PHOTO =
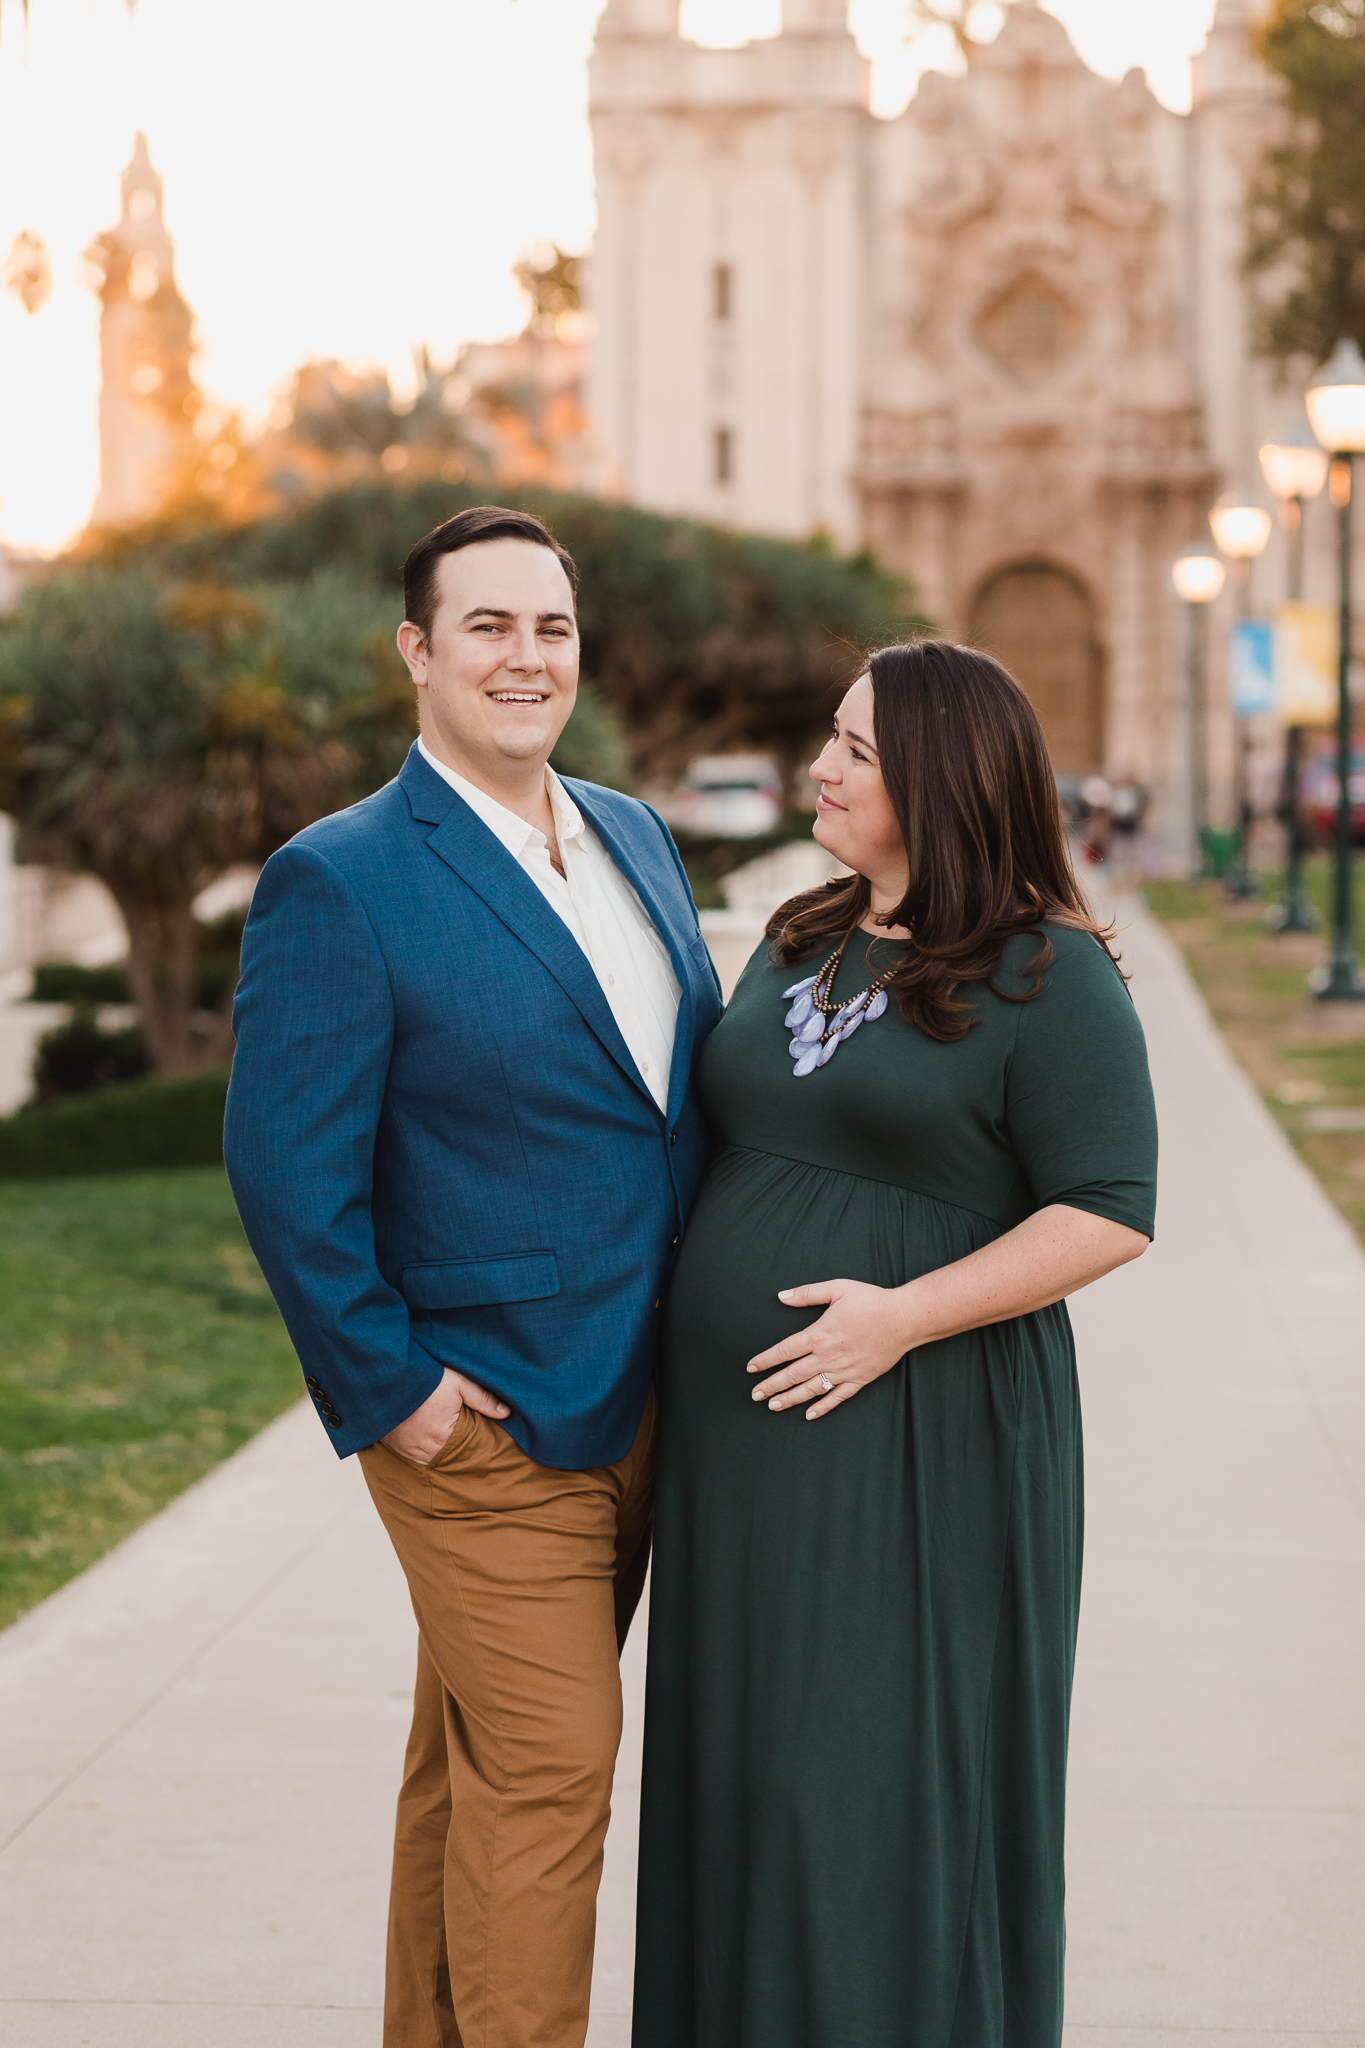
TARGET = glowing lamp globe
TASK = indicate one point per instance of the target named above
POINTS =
(1292, 464)
(1240, 528)
(1198, 576)
(1335, 399)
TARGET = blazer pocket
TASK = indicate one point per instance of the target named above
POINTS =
(481, 1283)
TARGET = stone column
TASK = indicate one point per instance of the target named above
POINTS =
(815, 150)
(625, 153)
(1130, 665)
(932, 563)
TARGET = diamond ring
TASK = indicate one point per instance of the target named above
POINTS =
(825, 1381)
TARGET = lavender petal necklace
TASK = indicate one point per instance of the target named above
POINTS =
(819, 1025)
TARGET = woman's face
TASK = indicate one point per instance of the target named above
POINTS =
(854, 819)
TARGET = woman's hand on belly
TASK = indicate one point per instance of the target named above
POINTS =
(861, 1335)
(866, 1330)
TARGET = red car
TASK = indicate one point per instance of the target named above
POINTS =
(1319, 792)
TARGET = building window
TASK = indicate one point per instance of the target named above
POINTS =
(722, 291)
(724, 455)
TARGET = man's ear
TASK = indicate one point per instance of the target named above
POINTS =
(412, 645)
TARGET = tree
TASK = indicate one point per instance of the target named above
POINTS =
(956, 15)
(1306, 208)
(701, 639)
(27, 272)
(154, 733)
(552, 282)
(198, 694)
(352, 416)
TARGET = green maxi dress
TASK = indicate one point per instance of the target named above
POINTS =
(862, 1629)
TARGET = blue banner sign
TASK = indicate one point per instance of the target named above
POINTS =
(1251, 667)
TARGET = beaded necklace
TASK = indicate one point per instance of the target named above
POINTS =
(817, 1023)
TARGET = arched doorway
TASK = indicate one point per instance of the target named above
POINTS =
(1040, 622)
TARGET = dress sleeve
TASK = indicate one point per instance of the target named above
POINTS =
(1078, 1097)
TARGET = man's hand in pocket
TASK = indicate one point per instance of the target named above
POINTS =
(421, 1436)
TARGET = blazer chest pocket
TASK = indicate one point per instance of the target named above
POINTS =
(481, 1283)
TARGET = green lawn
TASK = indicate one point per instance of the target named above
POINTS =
(1307, 1063)
(138, 1347)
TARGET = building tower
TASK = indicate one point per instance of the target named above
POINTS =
(147, 394)
(725, 280)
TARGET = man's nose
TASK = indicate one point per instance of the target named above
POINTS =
(525, 655)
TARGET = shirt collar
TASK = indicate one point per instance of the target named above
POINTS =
(514, 832)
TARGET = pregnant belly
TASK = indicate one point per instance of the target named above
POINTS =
(763, 1223)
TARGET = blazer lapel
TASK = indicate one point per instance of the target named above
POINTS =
(483, 863)
(666, 923)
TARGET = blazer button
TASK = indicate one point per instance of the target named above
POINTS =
(674, 1245)
(312, 1385)
(334, 1418)
(672, 1137)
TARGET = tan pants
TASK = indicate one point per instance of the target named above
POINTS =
(523, 1581)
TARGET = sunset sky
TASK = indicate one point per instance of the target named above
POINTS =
(343, 181)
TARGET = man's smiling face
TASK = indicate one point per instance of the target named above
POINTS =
(498, 678)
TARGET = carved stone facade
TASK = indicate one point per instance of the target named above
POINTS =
(1001, 337)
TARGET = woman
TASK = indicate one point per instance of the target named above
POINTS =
(868, 1547)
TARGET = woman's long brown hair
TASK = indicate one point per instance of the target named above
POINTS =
(966, 769)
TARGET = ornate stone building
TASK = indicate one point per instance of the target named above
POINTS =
(1002, 337)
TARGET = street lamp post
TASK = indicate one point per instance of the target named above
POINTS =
(1198, 577)
(1335, 399)
(1241, 530)
(1295, 470)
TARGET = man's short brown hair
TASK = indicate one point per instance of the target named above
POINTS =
(481, 522)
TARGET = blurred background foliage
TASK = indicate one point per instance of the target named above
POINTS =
(187, 695)
(1306, 212)
(701, 639)
(162, 729)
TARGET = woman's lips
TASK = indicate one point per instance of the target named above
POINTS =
(824, 803)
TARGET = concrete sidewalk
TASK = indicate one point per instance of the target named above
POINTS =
(200, 1739)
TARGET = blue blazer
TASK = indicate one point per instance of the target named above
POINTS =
(441, 1149)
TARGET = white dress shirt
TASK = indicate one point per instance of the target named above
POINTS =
(603, 912)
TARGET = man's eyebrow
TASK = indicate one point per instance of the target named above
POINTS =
(494, 611)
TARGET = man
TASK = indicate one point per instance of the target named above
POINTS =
(461, 1135)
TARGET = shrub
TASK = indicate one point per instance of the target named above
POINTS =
(62, 981)
(592, 746)
(78, 1056)
(172, 1121)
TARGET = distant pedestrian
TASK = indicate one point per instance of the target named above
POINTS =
(935, 1122)
(462, 1137)
(1099, 824)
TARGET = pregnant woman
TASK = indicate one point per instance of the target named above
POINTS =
(933, 1122)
